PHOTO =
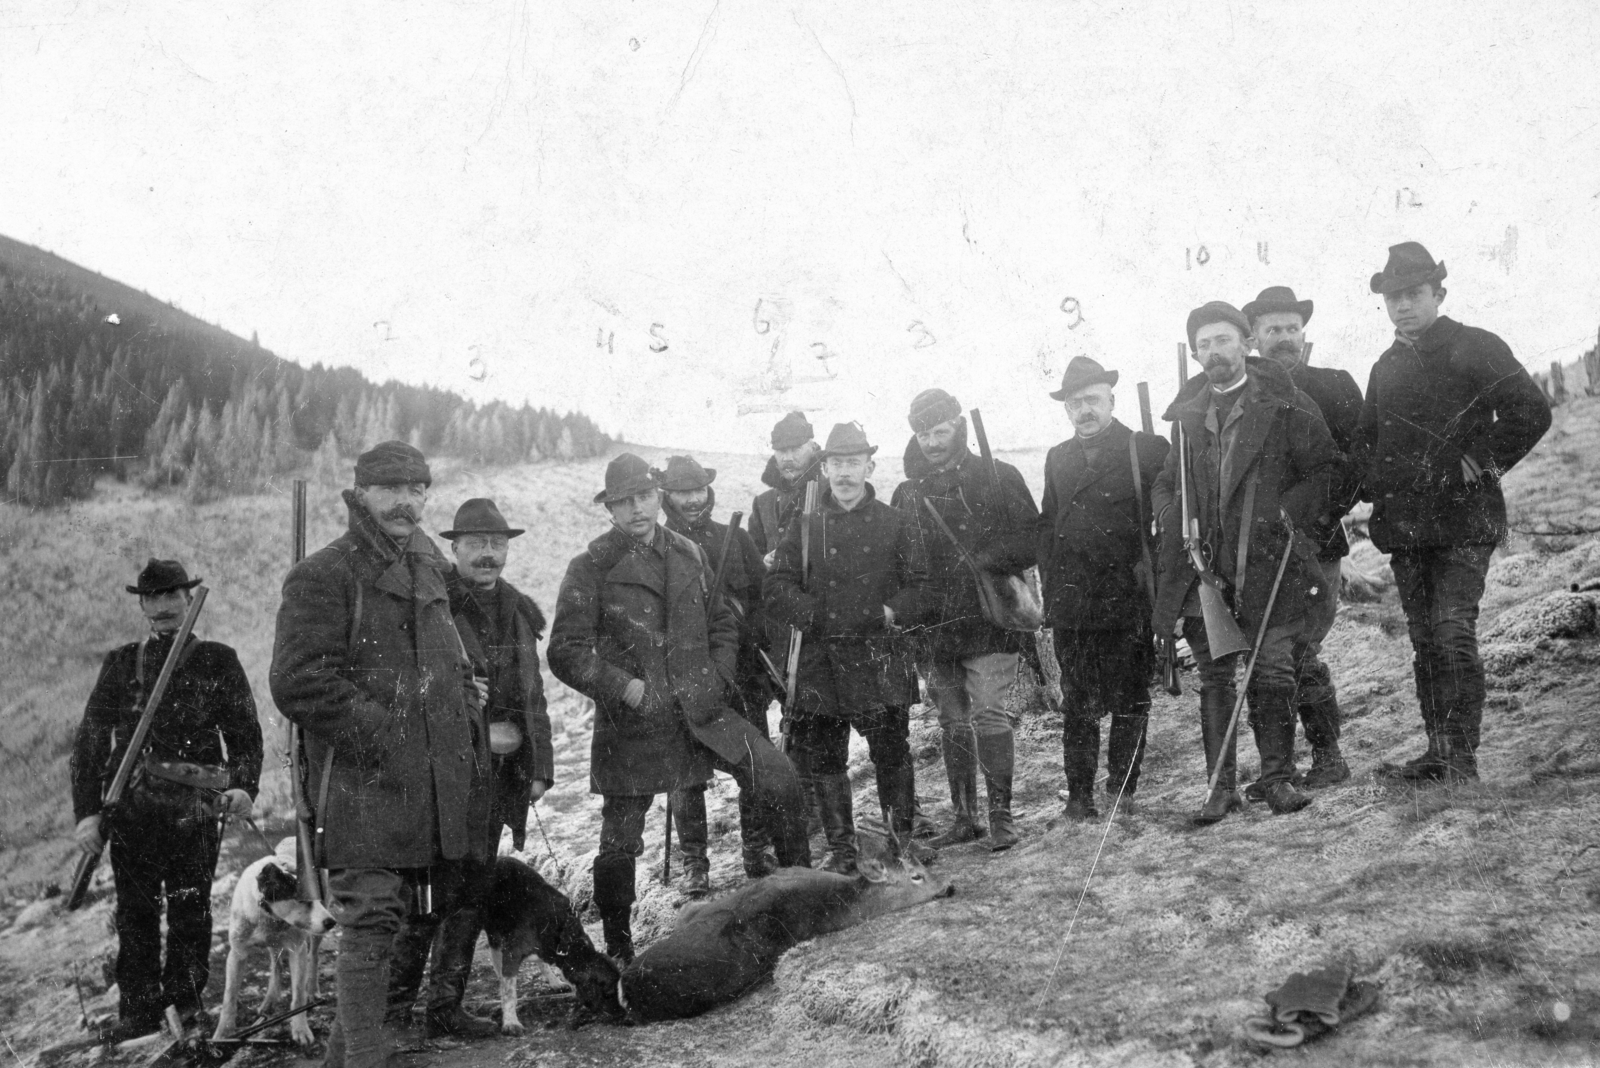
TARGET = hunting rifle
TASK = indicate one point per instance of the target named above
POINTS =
(1169, 644)
(722, 566)
(310, 886)
(135, 751)
(792, 678)
(1223, 635)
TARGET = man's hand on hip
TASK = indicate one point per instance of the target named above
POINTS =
(633, 694)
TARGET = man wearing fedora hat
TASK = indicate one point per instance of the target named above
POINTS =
(970, 663)
(1096, 508)
(500, 628)
(795, 461)
(368, 662)
(687, 501)
(868, 579)
(637, 630)
(1277, 321)
(1449, 410)
(202, 759)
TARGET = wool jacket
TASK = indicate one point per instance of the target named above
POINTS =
(774, 508)
(1338, 398)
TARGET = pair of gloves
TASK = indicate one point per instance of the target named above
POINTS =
(1309, 1005)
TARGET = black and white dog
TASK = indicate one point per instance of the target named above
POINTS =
(266, 912)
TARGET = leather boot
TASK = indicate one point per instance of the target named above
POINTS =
(755, 844)
(897, 795)
(1321, 720)
(838, 822)
(447, 987)
(407, 965)
(1080, 753)
(1216, 708)
(997, 754)
(613, 899)
(961, 768)
(1272, 719)
(1426, 767)
(689, 820)
(1458, 762)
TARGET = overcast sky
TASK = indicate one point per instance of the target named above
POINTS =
(581, 204)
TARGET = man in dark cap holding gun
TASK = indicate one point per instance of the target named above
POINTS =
(795, 461)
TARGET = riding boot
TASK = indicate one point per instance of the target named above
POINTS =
(1321, 721)
(613, 899)
(689, 818)
(1216, 710)
(1080, 753)
(896, 796)
(838, 822)
(407, 964)
(447, 986)
(1273, 721)
(961, 768)
(755, 843)
(997, 754)
(1459, 762)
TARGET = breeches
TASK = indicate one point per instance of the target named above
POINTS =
(973, 693)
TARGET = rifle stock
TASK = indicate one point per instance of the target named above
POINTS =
(310, 886)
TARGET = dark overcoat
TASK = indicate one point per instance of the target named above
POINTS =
(741, 584)
(861, 560)
(1089, 530)
(632, 611)
(997, 524)
(775, 507)
(1280, 441)
(1338, 398)
(1457, 392)
(511, 776)
(368, 662)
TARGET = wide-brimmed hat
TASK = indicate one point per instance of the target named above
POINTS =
(792, 431)
(626, 476)
(1081, 373)
(1217, 311)
(1409, 265)
(1277, 299)
(847, 439)
(932, 407)
(480, 516)
(392, 463)
(684, 473)
(159, 576)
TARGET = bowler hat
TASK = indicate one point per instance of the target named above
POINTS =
(480, 516)
(1277, 299)
(626, 476)
(847, 439)
(932, 407)
(392, 463)
(792, 431)
(1217, 311)
(159, 576)
(1409, 265)
(1081, 373)
(685, 473)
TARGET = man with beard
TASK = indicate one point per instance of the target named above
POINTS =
(1449, 411)
(867, 580)
(794, 463)
(1255, 454)
(1091, 544)
(689, 500)
(202, 759)
(1277, 320)
(368, 663)
(970, 663)
(500, 628)
(637, 630)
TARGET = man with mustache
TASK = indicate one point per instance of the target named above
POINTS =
(1257, 462)
(688, 500)
(1449, 411)
(202, 759)
(637, 630)
(1277, 320)
(367, 661)
(1092, 525)
(500, 628)
(795, 461)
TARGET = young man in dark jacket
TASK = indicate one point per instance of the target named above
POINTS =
(1449, 410)
(795, 461)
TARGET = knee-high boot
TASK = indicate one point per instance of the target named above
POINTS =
(998, 755)
(1216, 710)
(407, 964)
(447, 986)
(613, 899)
(897, 798)
(961, 768)
(1272, 718)
(838, 822)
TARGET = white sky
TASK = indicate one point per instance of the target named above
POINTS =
(408, 188)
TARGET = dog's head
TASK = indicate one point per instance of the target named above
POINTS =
(279, 892)
(593, 975)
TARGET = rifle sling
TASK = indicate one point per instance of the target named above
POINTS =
(1242, 558)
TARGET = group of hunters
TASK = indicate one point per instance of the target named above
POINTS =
(417, 685)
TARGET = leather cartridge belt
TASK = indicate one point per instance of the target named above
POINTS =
(187, 773)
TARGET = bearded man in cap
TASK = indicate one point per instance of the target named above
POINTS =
(795, 461)
(637, 630)
(1277, 321)
(367, 661)
(1256, 463)
(970, 663)
(688, 500)
(1092, 526)
(202, 760)
(1449, 410)
(867, 580)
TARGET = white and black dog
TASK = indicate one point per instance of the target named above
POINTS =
(266, 912)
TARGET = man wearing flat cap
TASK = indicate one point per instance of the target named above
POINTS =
(795, 461)
(1277, 321)
(867, 580)
(202, 759)
(1092, 527)
(970, 663)
(368, 662)
(500, 628)
(1449, 410)
(687, 501)
(1255, 467)
(637, 630)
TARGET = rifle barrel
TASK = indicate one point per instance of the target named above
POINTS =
(1146, 423)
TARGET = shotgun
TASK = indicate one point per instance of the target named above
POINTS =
(722, 563)
(983, 447)
(1222, 631)
(1169, 645)
(310, 885)
(791, 681)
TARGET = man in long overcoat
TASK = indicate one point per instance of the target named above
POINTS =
(635, 630)
(1449, 411)
(368, 663)
(1256, 462)
(1094, 559)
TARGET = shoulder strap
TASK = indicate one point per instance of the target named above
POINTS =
(355, 620)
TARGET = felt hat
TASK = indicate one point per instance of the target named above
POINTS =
(626, 476)
(792, 431)
(1277, 299)
(847, 439)
(685, 473)
(1217, 311)
(480, 516)
(159, 576)
(392, 463)
(1409, 265)
(1082, 372)
(932, 407)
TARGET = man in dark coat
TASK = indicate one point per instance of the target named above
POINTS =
(368, 663)
(1277, 321)
(500, 628)
(1095, 562)
(795, 461)
(637, 631)
(970, 663)
(1256, 463)
(687, 502)
(1449, 411)
(202, 759)
(867, 580)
